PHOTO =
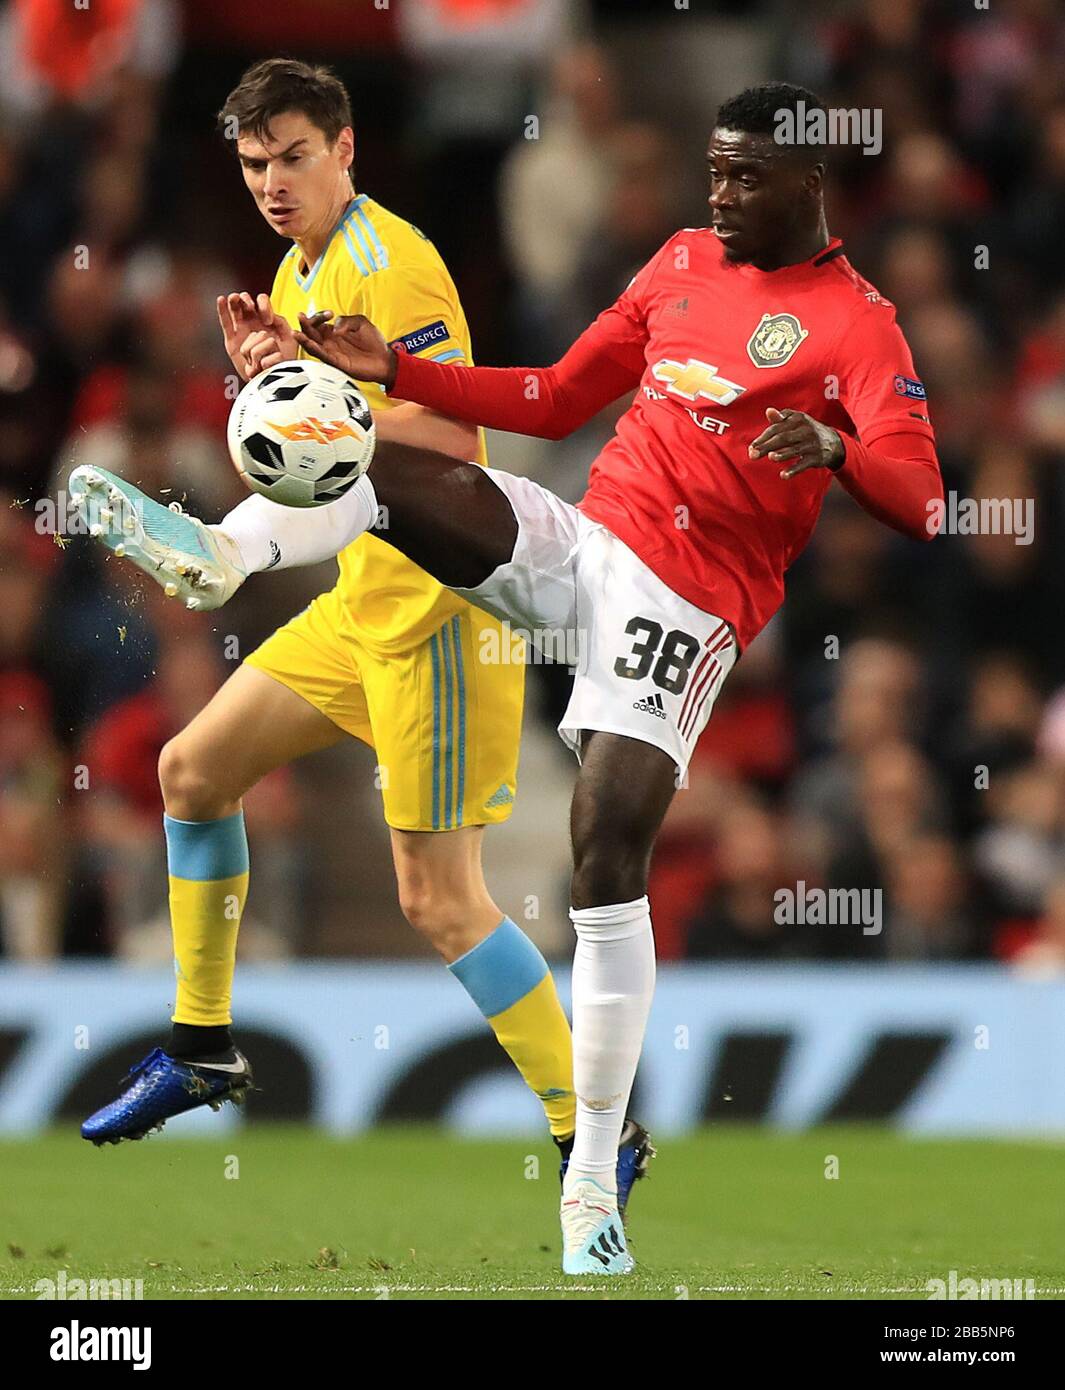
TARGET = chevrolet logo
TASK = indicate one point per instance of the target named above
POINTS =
(693, 379)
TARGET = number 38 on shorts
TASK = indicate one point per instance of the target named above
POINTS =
(650, 665)
(676, 652)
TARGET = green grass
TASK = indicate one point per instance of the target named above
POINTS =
(728, 1213)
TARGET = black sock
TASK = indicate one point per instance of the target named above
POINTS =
(565, 1146)
(189, 1042)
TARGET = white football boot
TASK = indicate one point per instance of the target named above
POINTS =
(593, 1237)
(192, 561)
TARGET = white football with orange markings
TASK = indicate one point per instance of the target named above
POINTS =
(301, 433)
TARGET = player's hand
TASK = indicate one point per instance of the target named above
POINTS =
(242, 318)
(260, 351)
(351, 344)
(791, 434)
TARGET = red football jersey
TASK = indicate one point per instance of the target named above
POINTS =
(711, 346)
(721, 344)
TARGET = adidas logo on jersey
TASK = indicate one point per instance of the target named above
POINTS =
(652, 704)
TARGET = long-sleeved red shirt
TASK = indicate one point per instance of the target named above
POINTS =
(711, 346)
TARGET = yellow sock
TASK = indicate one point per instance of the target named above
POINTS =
(208, 864)
(508, 979)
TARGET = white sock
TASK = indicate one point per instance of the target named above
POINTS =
(613, 984)
(262, 529)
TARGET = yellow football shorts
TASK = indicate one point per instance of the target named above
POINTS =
(444, 716)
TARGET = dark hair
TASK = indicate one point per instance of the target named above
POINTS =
(756, 111)
(277, 85)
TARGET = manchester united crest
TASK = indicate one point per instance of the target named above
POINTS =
(775, 339)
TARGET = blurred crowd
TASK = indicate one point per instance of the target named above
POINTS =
(900, 726)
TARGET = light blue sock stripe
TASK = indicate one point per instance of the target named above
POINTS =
(202, 850)
(501, 969)
(435, 655)
(461, 677)
(449, 747)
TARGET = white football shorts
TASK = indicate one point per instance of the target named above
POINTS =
(648, 664)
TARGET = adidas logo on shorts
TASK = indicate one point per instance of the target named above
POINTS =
(651, 705)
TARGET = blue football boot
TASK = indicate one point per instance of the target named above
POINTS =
(196, 563)
(635, 1152)
(160, 1086)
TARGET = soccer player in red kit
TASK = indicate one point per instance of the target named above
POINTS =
(763, 366)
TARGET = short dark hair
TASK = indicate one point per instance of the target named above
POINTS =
(276, 85)
(756, 111)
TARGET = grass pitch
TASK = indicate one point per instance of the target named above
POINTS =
(411, 1213)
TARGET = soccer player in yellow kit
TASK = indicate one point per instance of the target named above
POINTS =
(388, 656)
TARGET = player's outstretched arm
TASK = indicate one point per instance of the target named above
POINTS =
(548, 402)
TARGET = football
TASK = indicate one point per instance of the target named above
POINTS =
(301, 433)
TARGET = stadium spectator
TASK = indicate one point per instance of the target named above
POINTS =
(740, 919)
(876, 703)
(33, 830)
(1040, 953)
(1020, 852)
(552, 192)
(639, 212)
(930, 912)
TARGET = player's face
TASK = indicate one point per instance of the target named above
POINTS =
(760, 197)
(295, 176)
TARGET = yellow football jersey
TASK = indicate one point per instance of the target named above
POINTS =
(377, 264)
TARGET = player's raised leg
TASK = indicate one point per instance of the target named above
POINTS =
(204, 565)
(252, 725)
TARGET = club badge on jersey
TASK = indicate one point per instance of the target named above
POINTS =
(776, 340)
